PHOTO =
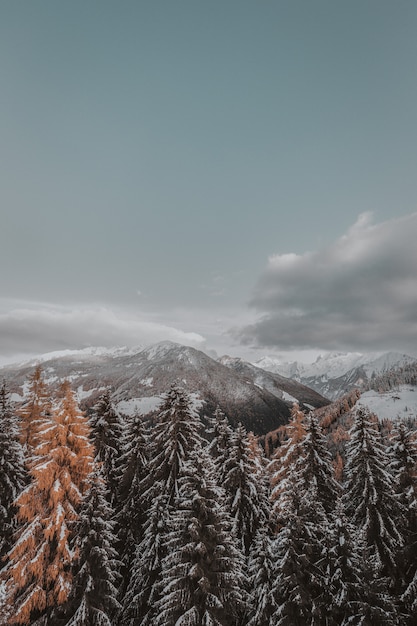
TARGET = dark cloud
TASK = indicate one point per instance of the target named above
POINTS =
(37, 329)
(360, 293)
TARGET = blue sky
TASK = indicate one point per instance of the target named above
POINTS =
(156, 155)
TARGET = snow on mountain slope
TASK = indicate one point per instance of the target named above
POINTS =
(400, 403)
(334, 374)
(139, 379)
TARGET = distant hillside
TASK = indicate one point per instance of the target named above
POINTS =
(335, 374)
(139, 377)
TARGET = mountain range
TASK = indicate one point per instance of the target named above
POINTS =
(337, 373)
(138, 378)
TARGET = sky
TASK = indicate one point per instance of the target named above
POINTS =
(239, 176)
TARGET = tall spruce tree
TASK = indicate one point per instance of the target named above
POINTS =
(305, 494)
(354, 597)
(39, 568)
(107, 433)
(370, 498)
(202, 580)
(262, 568)
(174, 436)
(245, 495)
(93, 598)
(12, 473)
(403, 453)
(133, 469)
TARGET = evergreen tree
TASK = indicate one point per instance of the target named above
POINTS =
(202, 579)
(403, 452)
(34, 411)
(245, 497)
(175, 435)
(370, 499)
(262, 572)
(12, 474)
(282, 465)
(133, 469)
(38, 572)
(220, 432)
(301, 584)
(142, 592)
(107, 433)
(93, 598)
(354, 597)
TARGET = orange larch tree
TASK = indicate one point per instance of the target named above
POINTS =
(34, 411)
(39, 568)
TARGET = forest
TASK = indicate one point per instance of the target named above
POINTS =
(183, 520)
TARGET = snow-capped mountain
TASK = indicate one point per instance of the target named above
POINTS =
(139, 377)
(334, 374)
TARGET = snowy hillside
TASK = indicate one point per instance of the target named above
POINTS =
(400, 403)
(139, 377)
(334, 374)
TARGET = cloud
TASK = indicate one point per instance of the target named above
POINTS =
(35, 328)
(359, 293)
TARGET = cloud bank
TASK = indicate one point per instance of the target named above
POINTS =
(359, 293)
(36, 329)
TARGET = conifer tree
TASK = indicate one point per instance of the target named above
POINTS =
(301, 584)
(220, 432)
(107, 433)
(245, 497)
(282, 465)
(202, 579)
(174, 436)
(142, 592)
(354, 597)
(133, 469)
(12, 474)
(262, 570)
(403, 452)
(93, 599)
(34, 411)
(38, 572)
(370, 499)
(305, 493)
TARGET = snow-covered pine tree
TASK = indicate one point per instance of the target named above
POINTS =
(173, 437)
(245, 494)
(370, 499)
(403, 453)
(220, 434)
(261, 573)
(317, 468)
(305, 494)
(301, 583)
(138, 605)
(93, 599)
(36, 408)
(353, 597)
(107, 433)
(202, 579)
(38, 572)
(133, 469)
(12, 473)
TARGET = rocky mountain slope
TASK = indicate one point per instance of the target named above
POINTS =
(335, 374)
(139, 377)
